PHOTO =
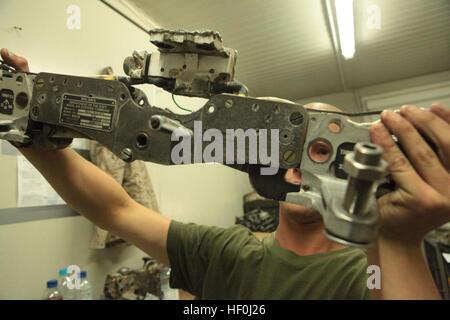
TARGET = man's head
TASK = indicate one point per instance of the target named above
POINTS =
(296, 212)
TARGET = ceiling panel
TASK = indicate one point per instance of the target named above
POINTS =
(285, 48)
(413, 40)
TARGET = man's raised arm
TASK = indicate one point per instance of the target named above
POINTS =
(96, 195)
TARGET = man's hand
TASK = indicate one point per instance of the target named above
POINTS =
(422, 201)
(19, 63)
(420, 204)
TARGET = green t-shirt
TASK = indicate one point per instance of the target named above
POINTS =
(231, 263)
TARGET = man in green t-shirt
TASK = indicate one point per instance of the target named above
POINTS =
(297, 262)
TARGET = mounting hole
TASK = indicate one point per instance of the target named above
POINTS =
(184, 66)
(123, 96)
(142, 140)
(21, 100)
(42, 98)
(286, 136)
(335, 125)
(64, 82)
(162, 70)
(320, 150)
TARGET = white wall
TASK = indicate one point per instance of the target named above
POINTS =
(32, 252)
(352, 100)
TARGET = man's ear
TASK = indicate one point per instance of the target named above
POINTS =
(293, 175)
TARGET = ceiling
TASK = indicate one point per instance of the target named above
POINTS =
(286, 50)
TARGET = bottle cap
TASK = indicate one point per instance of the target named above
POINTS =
(52, 283)
(62, 272)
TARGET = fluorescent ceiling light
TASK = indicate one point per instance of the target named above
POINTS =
(346, 29)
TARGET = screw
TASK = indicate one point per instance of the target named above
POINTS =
(276, 109)
(268, 118)
(126, 154)
(40, 82)
(255, 107)
(289, 156)
(296, 118)
(155, 123)
(229, 103)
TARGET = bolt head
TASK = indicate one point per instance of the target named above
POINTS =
(362, 171)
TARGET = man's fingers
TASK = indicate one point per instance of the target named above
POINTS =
(433, 126)
(420, 154)
(19, 63)
(399, 167)
(441, 110)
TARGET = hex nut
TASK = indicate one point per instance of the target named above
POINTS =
(363, 171)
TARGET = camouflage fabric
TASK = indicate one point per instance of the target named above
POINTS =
(128, 284)
(135, 180)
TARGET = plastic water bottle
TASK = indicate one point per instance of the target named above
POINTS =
(52, 293)
(85, 292)
(67, 293)
(168, 292)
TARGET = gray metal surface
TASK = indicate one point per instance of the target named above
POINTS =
(120, 118)
(28, 214)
